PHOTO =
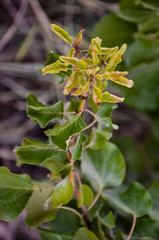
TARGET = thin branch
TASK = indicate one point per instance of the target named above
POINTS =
(90, 112)
(95, 199)
(132, 228)
(72, 210)
(89, 126)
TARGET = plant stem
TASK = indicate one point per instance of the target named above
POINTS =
(90, 125)
(72, 210)
(132, 228)
(95, 199)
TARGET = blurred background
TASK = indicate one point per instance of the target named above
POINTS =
(26, 40)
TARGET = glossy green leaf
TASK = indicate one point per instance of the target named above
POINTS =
(60, 134)
(41, 113)
(34, 152)
(55, 67)
(105, 167)
(36, 213)
(15, 191)
(61, 33)
(81, 64)
(110, 98)
(150, 26)
(96, 140)
(84, 234)
(76, 149)
(154, 192)
(115, 26)
(108, 220)
(86, 196)
(66, 222)
(62, 194)
(51, 235)
(133, 11)
(125, 199)
(151, 4)
(97, 228)
(106, 109)
(51, 58)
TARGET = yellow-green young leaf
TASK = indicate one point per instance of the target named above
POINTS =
(123, 81)
(15, 191)
(86, 196)
(94, 56)
(62, 194)
(113, 75)
(107, 97)
(116, 58)
(71, 52)
(71, 83)
(88, 61)
(61, 33)
(78, 40)
(98, 76)
(55, 67)
(108, 51)
(74, 62)
(96, 44)
(97, 95)
(81, 90)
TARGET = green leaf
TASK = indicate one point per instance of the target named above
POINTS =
(96, 228)
(115, 26)
(81, 64)
(36, 213)
(15, 191)
(110, 98)
(146, 227)
(108, 220)
(51, 58)
(51, 235)
(97, 95)
(106, 109)
(62, 194)
(125, 199)
(66, 222)
(150, 26)
(34, 152)
(154, 192)
(60, 134)
(41, 113)
(86, 196)
(105, 167)
(55, 67)
(55, 166)
(133, 11)
(84, 234)
(61, 33)
(97, 140)
(77, 148)
(151, 4)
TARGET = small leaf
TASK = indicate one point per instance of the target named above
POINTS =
(96, 141)
(55, 67)
(54, 166)
(77, 148)
(71, 52)
(41, 113)
(34, 152)
(106, 109)
(62, 194)
(86, 196)
(110, 98)
(108, 220)
(81, 64)
(97, 95)
(104, 167)
(51, 58)
(60, 134)
(78, 40)
(61, 33)
(125, 199)
(84, 234)
(15, 191)
(36, 213)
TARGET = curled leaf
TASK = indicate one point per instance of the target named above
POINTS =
(55, 67)
(107, 97)
(61, 33)
(78, 40)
